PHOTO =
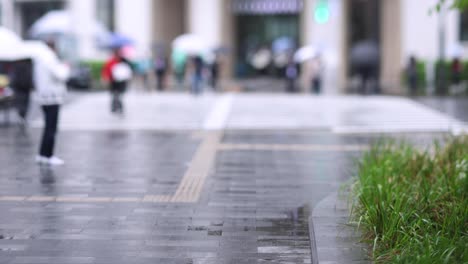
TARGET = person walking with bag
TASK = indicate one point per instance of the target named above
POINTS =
(50, 76)
(117, 72)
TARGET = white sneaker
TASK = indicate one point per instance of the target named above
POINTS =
(54, 161)
(42, 160)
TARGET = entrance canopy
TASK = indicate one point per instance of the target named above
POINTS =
(265, 7)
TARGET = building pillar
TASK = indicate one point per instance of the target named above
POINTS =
(204, 18)
(391, 50)
(228, 40)
(133, 19)
(7, 9)
(168, 23)
(84, 12)
(328, 37)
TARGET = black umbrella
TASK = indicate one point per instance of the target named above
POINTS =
(365, 54)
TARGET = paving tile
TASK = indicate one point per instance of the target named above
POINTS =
(111, 204)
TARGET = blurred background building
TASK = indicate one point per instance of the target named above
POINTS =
(400, 28)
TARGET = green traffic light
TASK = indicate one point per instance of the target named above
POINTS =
(322, 12)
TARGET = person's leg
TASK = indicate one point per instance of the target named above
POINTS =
(200, 84)
(195, 85)
(114, 101)
(159, 78)
(316, 86)
(51, 114)
(291, 87)
(22, 103)
(120, 101)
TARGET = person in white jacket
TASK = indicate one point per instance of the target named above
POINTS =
(50, 76)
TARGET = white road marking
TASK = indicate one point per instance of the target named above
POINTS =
(218, 117)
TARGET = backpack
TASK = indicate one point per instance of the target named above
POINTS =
(121, 72)
(22, 76)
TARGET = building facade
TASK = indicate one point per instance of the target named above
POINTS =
(400, 27)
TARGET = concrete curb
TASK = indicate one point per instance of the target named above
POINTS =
(332, 240)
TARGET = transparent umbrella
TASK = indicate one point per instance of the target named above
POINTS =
(191, 45)
(10, 46)
(282, 44)
(305, 53)
(61, 22)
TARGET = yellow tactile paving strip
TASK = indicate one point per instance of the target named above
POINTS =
(191, 185)
(293, 147)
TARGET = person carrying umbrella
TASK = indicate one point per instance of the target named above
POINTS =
(50, 76)
(117, 72)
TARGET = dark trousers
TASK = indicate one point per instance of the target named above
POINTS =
(159, 80)
(51, 115)
(117, 91)
(290, 85)
(316, 85)
(22, 103)
(196, 84)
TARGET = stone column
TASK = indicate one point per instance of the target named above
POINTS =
(168, 22)
(330, 38)
(228, 39)
(83, 18)
(7, 9)
(391, 47)
(204, 18)
(133, 18)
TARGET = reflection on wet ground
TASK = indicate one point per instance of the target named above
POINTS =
(253, 208)
(456, 107)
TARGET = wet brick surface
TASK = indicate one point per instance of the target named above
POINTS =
(254, 206)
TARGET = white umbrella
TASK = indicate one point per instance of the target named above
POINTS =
(261, 59)
(38, 50)
(10, 46)
(191, 44)
(8, 36)
(305, 53)
(456, 51)
(61, 22)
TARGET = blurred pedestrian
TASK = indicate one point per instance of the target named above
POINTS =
(457, 71)
(197, 75)
(117, 72)
(412, 76)
(142, 68)
(316, 74)
(214, 67)
(365, 59)
(21, 76)
(291, 74)
(160, 68)
(50, 78)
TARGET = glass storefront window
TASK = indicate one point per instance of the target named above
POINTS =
(464, 25)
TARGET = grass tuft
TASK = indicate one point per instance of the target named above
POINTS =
(412, 205)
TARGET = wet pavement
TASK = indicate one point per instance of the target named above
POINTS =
(453, 106)
(207, 190)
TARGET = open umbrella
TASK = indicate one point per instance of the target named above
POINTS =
(8, 36)
(191, 45)
(456, 51)
(282, 44)
(365, 54)
(38, 50)
(305, 53)
(10, 46)
(117, 40)
(61, 22)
